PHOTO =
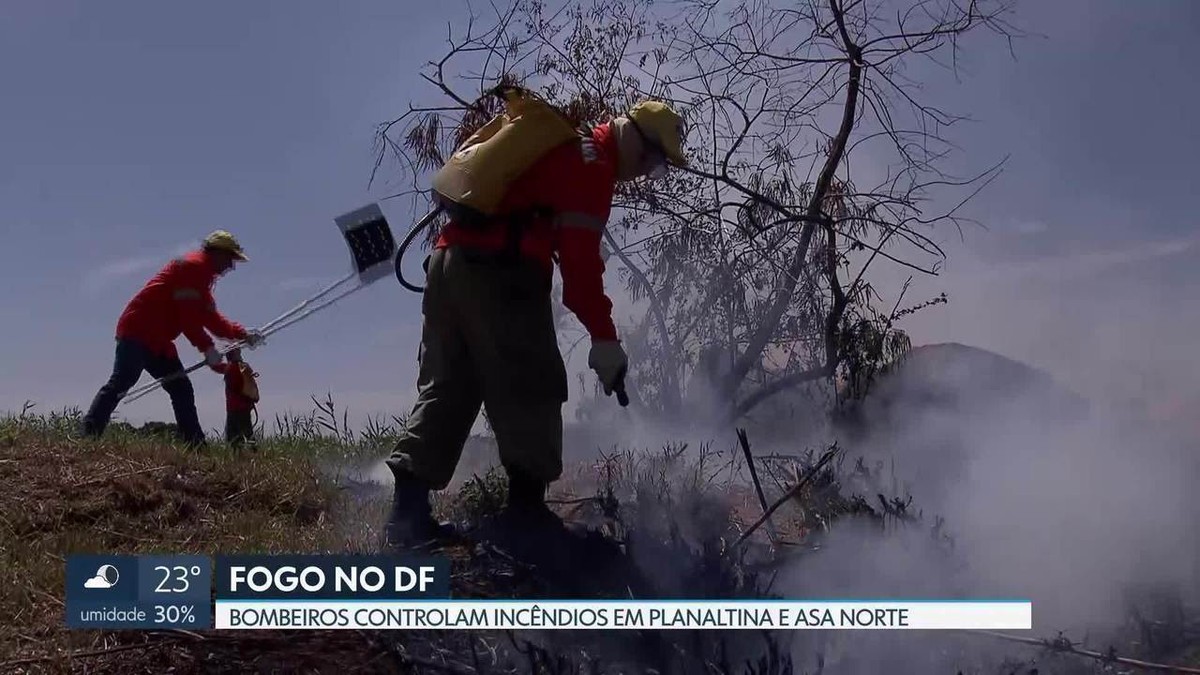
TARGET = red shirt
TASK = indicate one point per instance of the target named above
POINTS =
(576, 180)
(178, 300)
(235, 400)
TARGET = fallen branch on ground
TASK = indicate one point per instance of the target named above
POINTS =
(744, 441)
(786, 497)
(1065, 646)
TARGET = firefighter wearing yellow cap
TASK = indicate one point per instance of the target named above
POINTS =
(661, 129)
(176, 301)
(488, 333)
(221, 240)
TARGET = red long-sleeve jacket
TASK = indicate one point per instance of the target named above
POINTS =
(178, 300)
(576, 181)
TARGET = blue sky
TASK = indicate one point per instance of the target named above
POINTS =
(131, 129)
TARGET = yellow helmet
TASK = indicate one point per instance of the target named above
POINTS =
(223, 241)
(661, 125)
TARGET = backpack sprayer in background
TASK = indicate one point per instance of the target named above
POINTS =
(372, 248)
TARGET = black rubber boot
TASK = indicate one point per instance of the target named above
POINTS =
(411, 521)
(528, 530)
(526, 508)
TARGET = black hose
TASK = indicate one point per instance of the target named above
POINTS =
(408, 239)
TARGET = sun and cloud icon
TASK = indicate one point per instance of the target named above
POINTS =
(106, 577)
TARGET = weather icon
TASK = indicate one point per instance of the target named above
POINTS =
(106, 577)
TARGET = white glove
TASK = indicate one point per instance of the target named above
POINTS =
(254, 338)
(608, 359)
(212, 357)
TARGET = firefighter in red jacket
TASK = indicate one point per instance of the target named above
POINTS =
(178, 300)
(241, 397)
(488, 335)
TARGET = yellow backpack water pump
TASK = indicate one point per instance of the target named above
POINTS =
(249, 382)
(472, 183)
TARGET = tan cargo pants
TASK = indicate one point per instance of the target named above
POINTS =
(487, 338)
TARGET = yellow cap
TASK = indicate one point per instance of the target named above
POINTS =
(223, 241)
(663, 125)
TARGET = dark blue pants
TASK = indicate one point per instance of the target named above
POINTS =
(131, 359)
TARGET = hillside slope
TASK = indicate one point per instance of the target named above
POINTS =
(933, 413)
(956, 378)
